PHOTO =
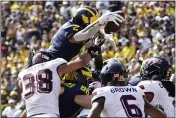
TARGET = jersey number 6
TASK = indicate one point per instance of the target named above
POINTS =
(129, 107)
(44, 83)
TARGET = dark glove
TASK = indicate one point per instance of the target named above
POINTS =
(94, 51)
(159, 106)
(30, 56)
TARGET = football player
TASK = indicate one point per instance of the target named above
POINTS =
(92, 86)
(116, 99)
(84, 25)
(81, 76)
(75, 92)
(73, 98)
(155, 73)
(97, 84)
(41, 82)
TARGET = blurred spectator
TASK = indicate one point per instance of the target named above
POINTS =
(10, 110)
(65, 11)
(4, 99)
(14, 95)
(108, 53)
(102, 7)
(134, 67)
(169, 10)
(144, 41)
(115, 5)
(128, 50)
(142, 9)
(135, 43)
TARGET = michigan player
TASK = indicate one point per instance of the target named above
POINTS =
(73, 98)
(92, 86)
(74, 95)
(41, 82)
(155, 73)
(118, 100)
(81, 76)
(71, 37)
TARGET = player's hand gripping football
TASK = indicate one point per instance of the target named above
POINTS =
(110, 38)
(111, 16)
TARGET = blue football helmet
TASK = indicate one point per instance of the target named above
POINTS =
(41, 57)
(156, 66)
(113, 73)
(111, 60)
(85, 16)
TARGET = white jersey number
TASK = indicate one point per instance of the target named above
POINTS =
(129, 107)
(44, 83)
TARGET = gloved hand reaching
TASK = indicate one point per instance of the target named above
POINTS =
(94, 51)
(111, 16)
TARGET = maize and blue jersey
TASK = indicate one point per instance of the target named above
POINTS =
(68, 108)
(61, 47)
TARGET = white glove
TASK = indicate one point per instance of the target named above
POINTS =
(95, 85)
(111, 16)
(110, 38)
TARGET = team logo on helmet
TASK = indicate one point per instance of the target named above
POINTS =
(85, 16)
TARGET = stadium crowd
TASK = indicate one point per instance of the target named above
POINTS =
(30, 25)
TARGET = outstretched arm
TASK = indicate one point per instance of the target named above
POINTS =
(81, 61)
(93, 28)
(74, 65)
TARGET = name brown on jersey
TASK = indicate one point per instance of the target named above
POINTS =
(113, 90)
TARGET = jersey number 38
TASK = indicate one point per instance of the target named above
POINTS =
(44, 83)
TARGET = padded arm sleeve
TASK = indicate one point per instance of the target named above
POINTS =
(87, 32)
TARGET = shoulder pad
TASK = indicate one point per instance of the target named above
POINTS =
(140, 89)
(97, 93)
(146, 86)
(146, 83)
(134, 80)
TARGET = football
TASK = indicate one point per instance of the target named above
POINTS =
(112, 27)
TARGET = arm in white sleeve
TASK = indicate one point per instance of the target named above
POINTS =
(87, 32)
(4, 113)
(108, 37)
